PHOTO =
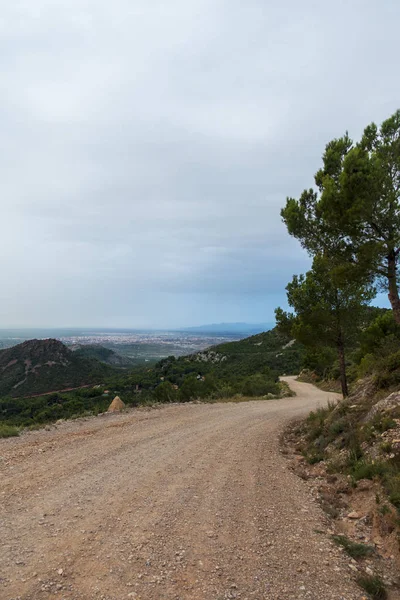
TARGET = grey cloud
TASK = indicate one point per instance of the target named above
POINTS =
(147, 149)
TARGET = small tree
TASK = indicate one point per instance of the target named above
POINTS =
(328, 310)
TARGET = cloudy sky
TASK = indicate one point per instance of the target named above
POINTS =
(147, 147)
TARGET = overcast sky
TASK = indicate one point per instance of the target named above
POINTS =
(147, 148)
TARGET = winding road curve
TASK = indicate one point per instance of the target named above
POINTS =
(187, 502)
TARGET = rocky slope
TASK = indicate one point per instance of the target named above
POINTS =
(349, 451)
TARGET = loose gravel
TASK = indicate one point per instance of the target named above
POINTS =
(186, 502)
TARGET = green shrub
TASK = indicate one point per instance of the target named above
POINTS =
(165, 392)
(258, 385)
(373, 585)
(316, 421)
(7, 431)
(314, 458)
(367, 365)
(190, 389)
(321, 413)
(383, 423)
(388, 371)
(368, 432)
(384, 510)
(392, 485)
(363, 469)
(387, 446)
(387, 471)
(353, 549)
(338, 427)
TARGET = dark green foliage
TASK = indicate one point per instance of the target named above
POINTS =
(320, 361)
(378, 353)
(258, 385)
(165, 392)
(190, 389)
(329, 309)
(353, 549)
(265, 349)
(388, 371)
(382, 422)
(363, 469)
(373, 585)
(381, 336)
(50, 408)
(102, 354)
(354, 217)
(251, 367)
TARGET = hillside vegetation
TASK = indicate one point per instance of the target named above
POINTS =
(248, 368)
(103, 354)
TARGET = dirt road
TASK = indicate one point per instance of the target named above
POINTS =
(187, 502)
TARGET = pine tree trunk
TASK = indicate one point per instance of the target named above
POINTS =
(342, 367)
(393, 287)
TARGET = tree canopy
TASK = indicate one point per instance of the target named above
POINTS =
(354, 215)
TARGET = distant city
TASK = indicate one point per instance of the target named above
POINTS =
(139, 344)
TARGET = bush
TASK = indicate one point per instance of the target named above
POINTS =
(363, 469)
(373, 585)
(189, 389)
(338, 427)
(314, 458)
(383, 422)
(316, 421)
(7, 431)
(387, 371)
(353, 549)
(257, 385)
(387, 447)
(165, 392)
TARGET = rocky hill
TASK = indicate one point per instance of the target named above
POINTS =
(39, 366)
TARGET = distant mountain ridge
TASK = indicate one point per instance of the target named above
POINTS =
(233, 328)
(39, 366)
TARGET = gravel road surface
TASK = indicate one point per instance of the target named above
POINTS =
(186, 502)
